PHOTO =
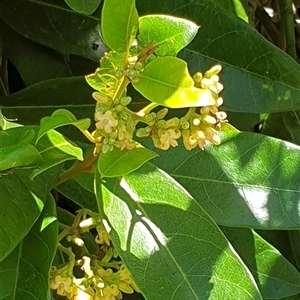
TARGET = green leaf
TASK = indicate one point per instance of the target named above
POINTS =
(104, 79)
(50, 23)
(33, 62)
(83, 7)
(275, 275)
(21, 202)
(16, 150)
(55, 149)
(166, 81)
(250, 180)
(61, 117)
(169, 34)
(119, 24)
(20, 155)
(24, 274)
(121, 162)
(74, 191)
(258, 77)
(42, 99)
(154, 222)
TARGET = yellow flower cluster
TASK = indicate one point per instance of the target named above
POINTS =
(114, 123)
(103, 278)
(194, 128)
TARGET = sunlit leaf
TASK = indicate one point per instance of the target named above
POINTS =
(166, 81)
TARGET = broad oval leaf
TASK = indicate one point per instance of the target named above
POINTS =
(21, 202)
(169, 34)
(121, 162)
(276, 277)
(24, 274)
(82, 6)
(171, 246)
(119, 24)
(250, 180)
(257, 76)
(166, 81)
(61, 117)
(51, 23)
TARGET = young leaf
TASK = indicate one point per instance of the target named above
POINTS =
(119, 24)
(250, 180)
(61, 117)
(24, 274)
(82, 6)
(166, 81)
(150, 215)
(21, 202)
(275, 275)
(55, 149)
(121, 162)
(169, 34)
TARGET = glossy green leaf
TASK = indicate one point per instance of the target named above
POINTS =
(20, 155)
(276, 277)
(42, 99)
(24, 274)
(22, 200)
(121, 162)
(51, 22)
(171, 246)
(250, 180)
(169, 34)
(55, 149)
(16, 150)
(257, 76)
(61, 117)
(82, 6)
(166, 81)
(119, 24)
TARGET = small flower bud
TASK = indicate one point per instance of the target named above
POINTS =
(185, 125)
(135, 80)
(215, 70)
(197, 77)
(119, 74)
(105, 148)
(161, 124)
(162, 113)
(138, 66)
(119, 107)
(209, 120)
(196, 121)
(125, 100)
(87, 223)
(174, 122)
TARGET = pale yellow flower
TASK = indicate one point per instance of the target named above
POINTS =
(105, 121)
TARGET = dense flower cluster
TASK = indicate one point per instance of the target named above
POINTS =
(103, 278)
(116, 123)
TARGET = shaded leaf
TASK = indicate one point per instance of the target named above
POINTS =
(275, 275)
(250, 180)
(41, 21)
(166, 81)
(147, 227)
(83, 7)
(61, 117)
(74, 191)
(21, 202)
(168, 33)
(121, 162)
(34, 62)
(119, 24)
(24, 274)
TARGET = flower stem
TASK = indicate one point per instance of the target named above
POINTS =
(147, 109)
(83, 166)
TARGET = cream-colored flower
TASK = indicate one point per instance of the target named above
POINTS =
(168, 138)
(105, 121)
